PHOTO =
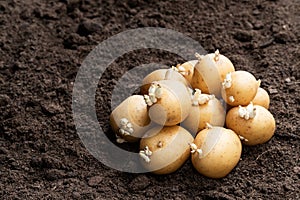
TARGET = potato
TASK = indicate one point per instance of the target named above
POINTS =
(254, 123)
(164, 150)
(206, 109)
(239, 88)
(187, 69)
(172, 105)
(262, 98)
(216, 151)
(161, 74)
(210, 71)
(130, 119)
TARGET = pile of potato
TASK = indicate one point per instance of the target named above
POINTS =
(203, 108)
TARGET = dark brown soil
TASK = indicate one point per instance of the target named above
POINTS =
(42, 46)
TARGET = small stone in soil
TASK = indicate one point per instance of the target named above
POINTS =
(243, 36)
(273, 91)
(54, 174)
(139, 183)
(95, 180)
(88, 27)
(297, 170)
(4, 100)
(287, 80)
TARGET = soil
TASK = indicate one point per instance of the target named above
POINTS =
(42, 46)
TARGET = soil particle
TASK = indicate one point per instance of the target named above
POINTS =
(87, 27)
(51, 108)
(95, 180)
(54, 174)
(283, 37)
(46, 161)
(4, 100)
(243, 36)
(297, 170)
(139, 183)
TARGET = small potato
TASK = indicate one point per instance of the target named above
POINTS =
(208, 109)
(169, 101)
(239, 88)
(216, 151)
(161, 74)
(210, 71)
(164, 150)
(262, 98)
(254, 123)
(187, 69)
(130, 119)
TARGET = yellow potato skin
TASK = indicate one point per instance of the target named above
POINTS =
(217, 68)
(189, 67)
(172, 153)
(135, 110)
(262, 98)
(174, 105)
(198, 82)
(243, 89)
(257, 130)
(223, 156)
(211, 112)
(161, 74)
(224, 65)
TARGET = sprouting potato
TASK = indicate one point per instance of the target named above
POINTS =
(215, 151)
(262, 98)
(239, 88)
(253, 122)
(164, 150)
(210, 71)
(195, 98)
(187, 69)
(161, 74)
(206, 109)
(169, 101)
(130, 119)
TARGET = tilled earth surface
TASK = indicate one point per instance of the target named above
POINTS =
(42, 46)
